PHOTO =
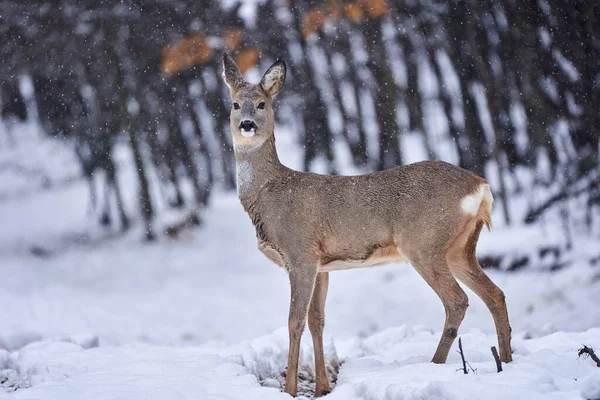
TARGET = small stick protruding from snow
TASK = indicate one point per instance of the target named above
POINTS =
(589, 352)
(466, 365)
(498, 362)
(462, 355)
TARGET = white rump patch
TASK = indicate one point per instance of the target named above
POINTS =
(470, 204)
(244, 176)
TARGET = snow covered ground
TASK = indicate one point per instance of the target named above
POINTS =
(390, 365)
(204, 317)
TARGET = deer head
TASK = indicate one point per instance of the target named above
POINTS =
(252, 118)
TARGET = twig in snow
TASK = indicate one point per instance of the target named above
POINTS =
(589, 352)
(497, 359)
(462, 356)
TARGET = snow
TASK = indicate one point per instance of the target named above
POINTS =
(590, 386)
(30, 162)
(61, 370)
(394, 372)
(566, 65)
(393, 364)
(205, 317)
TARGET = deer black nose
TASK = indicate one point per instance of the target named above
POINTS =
(247, 125)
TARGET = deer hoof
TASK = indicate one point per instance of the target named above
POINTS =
(324, 392)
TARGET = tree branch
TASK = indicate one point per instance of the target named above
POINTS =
(589, 352)
(497, 359)
(462, 356)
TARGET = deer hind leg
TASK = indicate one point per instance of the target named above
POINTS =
(464, 265)
(316, 323)
(302, 283)
(437, 275)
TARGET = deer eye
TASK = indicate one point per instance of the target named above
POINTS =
(261, 105)
(236, 106)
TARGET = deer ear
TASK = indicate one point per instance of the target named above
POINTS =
(273, 79)
(231, 73)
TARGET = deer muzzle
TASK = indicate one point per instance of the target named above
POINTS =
(248, 128)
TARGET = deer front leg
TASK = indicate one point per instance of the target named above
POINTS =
(316, 323)
(302, 284)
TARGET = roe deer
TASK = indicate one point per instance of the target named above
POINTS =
(428, 214)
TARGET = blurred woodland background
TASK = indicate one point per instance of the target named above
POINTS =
(505, 88)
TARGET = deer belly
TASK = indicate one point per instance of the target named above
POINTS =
(380, 256)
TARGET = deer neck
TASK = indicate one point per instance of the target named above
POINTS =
(256, 166)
